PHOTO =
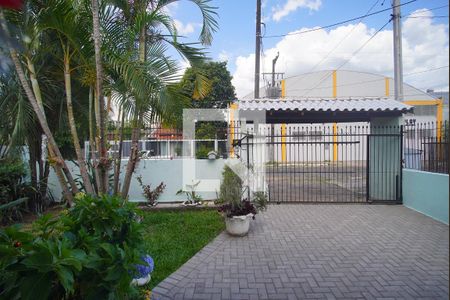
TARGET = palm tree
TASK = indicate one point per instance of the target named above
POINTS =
(130, 61)
(58, 162)
(61, 16)
(146, 70)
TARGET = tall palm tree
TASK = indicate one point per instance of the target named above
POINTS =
(152, 92)
(58, 162)
(61, 17)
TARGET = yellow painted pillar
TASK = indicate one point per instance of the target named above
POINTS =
(386, 86)
(283, 126)
(233, 107)
(439, 117)
(335, 146)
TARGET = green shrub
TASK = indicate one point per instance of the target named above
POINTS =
(12, 187)
(89, 252)
(202, 151)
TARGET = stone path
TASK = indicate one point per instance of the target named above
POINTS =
(321, 252)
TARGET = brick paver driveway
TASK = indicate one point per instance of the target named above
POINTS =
(321, 251)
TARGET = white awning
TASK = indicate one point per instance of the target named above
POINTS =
(329, 104)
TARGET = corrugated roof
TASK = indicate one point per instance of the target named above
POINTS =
(310, 104)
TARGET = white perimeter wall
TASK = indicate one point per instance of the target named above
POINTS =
(154, 172)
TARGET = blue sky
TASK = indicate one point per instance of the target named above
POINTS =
(235, 39)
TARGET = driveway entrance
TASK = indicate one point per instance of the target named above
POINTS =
(319, 163)
(321, 252)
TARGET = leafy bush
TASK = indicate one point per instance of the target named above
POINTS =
(230, 197)
(202, 152)
(12, 187)
(89, 252)
(150, 194)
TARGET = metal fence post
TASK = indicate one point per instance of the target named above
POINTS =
(368, 169)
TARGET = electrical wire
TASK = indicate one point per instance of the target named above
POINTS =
(338, 23)
(372, 80)
(427, 17)
(354, 53)
(342, 40)
(425, 71)
(430, 9)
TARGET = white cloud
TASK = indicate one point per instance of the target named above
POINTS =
(184, 29)
(224, 56)
(182, 66)
(171, 8)
(425, 46)
(280, 12)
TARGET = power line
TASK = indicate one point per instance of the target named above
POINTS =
(342, 40)
(381, 80)
(430, 9)
(428, 17)
(354, 53)
(425, 71)
(414, 13)
(338, 23)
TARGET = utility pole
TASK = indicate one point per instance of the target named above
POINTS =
(398, 63)
(257, 46)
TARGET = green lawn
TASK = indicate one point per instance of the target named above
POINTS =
(172, 237)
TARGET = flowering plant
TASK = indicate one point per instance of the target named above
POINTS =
(143, 270)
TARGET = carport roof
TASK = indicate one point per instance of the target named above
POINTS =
(326, 105)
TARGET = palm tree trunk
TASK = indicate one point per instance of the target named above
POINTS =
(103, 163)
(38, 96)
(73, 130)
(43, 122)
(134, 155)
(92, 144)
(119, 158)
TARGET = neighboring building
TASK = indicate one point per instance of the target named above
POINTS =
(354, 84)
(441, 95)
(357, 87)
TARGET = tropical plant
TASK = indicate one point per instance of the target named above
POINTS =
(90, 252)
(148, 21)
(62, 55)
(192, 197)
(12, 188)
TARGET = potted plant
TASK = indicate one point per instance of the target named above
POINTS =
(236, 210)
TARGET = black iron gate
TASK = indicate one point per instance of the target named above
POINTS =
(320, 164)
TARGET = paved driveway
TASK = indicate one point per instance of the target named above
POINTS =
(321, 252)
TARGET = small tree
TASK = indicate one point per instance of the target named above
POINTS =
(221, 92)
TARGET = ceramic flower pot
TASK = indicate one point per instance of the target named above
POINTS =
(238, 225)
(141, 281)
